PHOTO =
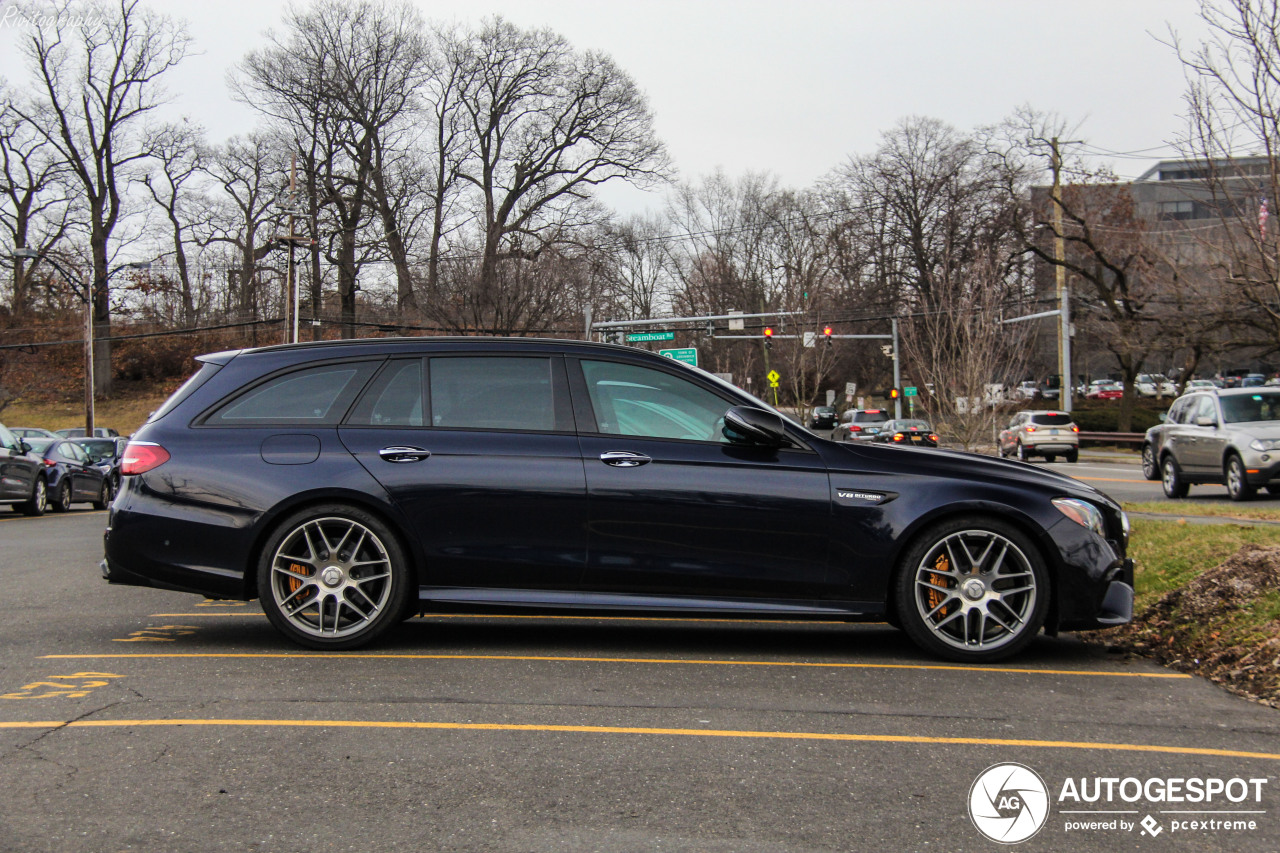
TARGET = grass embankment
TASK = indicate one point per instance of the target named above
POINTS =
(124, 412)
(1208, 601)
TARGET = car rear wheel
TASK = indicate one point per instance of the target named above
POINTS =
(1073, 456)
(1238, 487)
(62, 502)
(972, 589)
(333, 577)
(39, 500)
(104, 496)
(1023, 453)
(1171, 479)
(1150, 469)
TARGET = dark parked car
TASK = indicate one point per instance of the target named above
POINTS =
(350, 484)
(824, 417)
(105, 454)
(22, 483)
(67, 475)
(915, 433)
(33, 432)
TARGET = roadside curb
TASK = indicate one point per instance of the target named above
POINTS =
(1204, 519)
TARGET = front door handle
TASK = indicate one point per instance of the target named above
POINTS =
(624, 459)
(401, 453)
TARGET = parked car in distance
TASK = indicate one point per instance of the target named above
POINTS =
(350, 484)
(823, 417)
(1153, 385)
(1104, 391)
(78, 432)
(32, 432)
(1047, 434)
(1198, 384)
(1253, 380)
(69, 475)
(907, 432)
(1228, 437)
(105, 454)
(860, 424)
(1028, 390)
(22, 483)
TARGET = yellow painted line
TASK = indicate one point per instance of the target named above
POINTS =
(637, 730)
(1111, 480)
(563, 659)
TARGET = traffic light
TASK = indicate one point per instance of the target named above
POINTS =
(894, 393)
(826, 333)
(768, 337)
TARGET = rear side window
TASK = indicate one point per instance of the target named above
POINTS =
(313, 396)
(492, 392)
(1052, 419)
(201, 376)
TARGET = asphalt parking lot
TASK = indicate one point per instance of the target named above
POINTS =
(146, 720)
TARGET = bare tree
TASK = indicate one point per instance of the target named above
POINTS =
(35, 200)
(548, 124)
(98, 77)
(177, 158)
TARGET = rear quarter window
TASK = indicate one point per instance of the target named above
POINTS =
(311, 396)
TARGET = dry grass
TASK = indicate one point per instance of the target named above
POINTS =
(1261, 510)
(125, 412)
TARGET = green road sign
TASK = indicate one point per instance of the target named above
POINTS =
(652, 336)
(909, 391)
(689, 355)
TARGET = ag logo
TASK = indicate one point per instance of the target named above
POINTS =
(1008, 803)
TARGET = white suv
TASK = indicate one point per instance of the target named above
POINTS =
(1047, 434)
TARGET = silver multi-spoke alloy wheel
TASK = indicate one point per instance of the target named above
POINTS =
(333, 579)
(975, 590)
(1150, 469)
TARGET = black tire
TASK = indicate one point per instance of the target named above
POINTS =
(1273, 489)
(62, 501)
(1171, 478)
(104, 496)
(1150, 469)
(365, 592)
(1023, 454)
(1073, 456)
(965, 616)
(1051, 458)
(38, 503)
(1237, 479)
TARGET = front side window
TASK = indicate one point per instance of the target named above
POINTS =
(313, 396)
(492, 392)
(640, 401)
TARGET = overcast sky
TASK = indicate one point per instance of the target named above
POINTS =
(795, 88)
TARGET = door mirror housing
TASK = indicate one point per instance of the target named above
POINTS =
(1205, 420)
(749, 425)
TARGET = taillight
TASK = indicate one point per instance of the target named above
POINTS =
(855, 428)
(1075, 428)
(897, 436)
(49, 463)
(1031, 429)
(142, 456)
(933, 437)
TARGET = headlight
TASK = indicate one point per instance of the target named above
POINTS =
(1265, 444)
(1082, 513)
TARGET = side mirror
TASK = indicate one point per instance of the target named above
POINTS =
(1164, 417)
(749, 425)
(23, 447)
(1205, 420)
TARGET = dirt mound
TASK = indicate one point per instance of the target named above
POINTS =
(1208, 627)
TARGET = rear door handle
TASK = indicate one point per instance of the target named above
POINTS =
(624, 459)
(400, 453)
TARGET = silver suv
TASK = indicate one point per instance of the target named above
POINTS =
(1047, 434)
(1227, 436)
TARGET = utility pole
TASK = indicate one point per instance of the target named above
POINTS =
(291, 240)
(1060, 279)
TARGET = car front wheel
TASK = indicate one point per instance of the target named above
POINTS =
(1150, 469)
(333, 577)
(972, 589)
(1171, 479)
(1238, 488)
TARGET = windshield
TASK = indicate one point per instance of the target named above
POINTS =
(1245, 408)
